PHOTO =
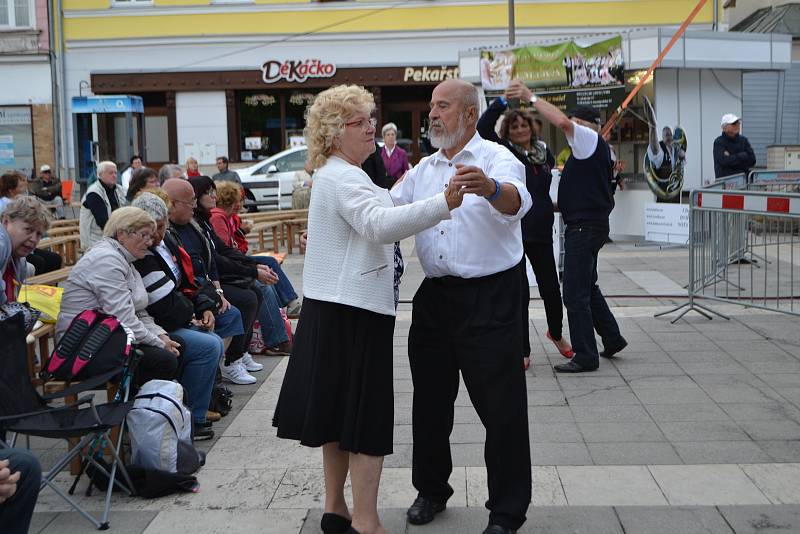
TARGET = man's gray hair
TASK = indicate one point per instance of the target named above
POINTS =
(470, 97)
(150, 204)
(165, 173)
(103, 166)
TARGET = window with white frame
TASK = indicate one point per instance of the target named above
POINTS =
(16, 13)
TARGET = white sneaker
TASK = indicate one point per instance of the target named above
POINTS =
(250, 365)
(236, 373)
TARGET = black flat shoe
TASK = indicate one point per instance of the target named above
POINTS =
(202, 431)
(334, 523)
(497, 529)
(571, 367)
(609, 352)
(423, 510)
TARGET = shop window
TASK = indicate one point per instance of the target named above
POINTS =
(16, 139)
(296, 104)
(260, 124)
(16, 13)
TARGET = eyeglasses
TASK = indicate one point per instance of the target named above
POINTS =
(364, 124)
(191, 203)
(144, 237)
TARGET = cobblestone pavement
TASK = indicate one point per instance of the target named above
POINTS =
(694, 428)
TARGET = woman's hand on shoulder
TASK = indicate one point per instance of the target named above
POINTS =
(453, 195)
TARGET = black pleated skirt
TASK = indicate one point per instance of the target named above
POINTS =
(338, 384)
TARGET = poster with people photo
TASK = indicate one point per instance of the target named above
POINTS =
(585, 73)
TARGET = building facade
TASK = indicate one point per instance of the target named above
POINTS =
(233, 77)
(26, 101)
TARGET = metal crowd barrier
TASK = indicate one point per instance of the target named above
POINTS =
(744, 248)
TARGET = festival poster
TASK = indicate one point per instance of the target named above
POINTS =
(564, 73)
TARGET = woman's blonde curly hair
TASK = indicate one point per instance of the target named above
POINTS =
(325, 118)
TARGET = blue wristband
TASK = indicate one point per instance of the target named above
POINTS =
(496, 193)
(502, 100)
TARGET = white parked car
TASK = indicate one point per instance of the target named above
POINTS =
(271, 180)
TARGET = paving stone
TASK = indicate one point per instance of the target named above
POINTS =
(228, 521)
(550, 414)
(609, 486)
(702, 431)
(624, 413)
(633, 453)
(560, 454)
(720, 452)
(554, 432)
(740, 393)
(771, 411)
(650, 369)
(762, 519)
(620, 432)
(671, 395)
(672, 520)
(706, 485)
(782, 450)
(572, 520)
(770, 430)
(594, 397)
(40, 520)
(686, 412)
(777, 481)
(134, 522)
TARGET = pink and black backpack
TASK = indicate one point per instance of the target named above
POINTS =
(94, 344)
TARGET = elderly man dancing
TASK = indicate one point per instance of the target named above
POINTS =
(467, 314)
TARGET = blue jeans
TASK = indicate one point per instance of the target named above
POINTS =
(17, 511)
(201, 356)
(283, 288)
(269, 315)
(229, 324)
(586, 307)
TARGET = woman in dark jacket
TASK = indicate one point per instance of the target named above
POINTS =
(518, 134)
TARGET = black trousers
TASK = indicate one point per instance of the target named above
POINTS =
(472, 326)
(155, 364)
(544, 268)
(44, 261)
(17, 511)
(248, 301)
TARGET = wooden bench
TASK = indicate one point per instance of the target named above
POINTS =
(62, 231)
(294, 227)
(274, 215)
(66, 246)
(65, 223)
(53, 278)
(260, 228)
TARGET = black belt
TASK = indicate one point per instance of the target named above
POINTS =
(452, 281)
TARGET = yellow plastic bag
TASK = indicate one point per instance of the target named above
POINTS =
(46, 299)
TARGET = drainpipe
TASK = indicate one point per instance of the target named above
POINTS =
(60, 93)
(54, 87)
(715, 21)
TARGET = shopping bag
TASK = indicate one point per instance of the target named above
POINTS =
(46, 299)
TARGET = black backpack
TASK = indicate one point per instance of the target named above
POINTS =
(94, 344)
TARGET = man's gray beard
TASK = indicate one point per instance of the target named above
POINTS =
(448, 141)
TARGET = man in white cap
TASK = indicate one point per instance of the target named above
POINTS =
(47, 189)
(732, 152)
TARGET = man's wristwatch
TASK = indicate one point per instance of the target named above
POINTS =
(534, 98)
(220, 291)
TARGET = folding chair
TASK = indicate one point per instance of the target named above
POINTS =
(23, 411)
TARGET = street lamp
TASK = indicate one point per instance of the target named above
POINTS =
(511, 27)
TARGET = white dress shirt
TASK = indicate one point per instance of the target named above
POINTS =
(478, 240)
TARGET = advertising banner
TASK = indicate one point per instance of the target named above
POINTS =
(565, 73)
(666, 223)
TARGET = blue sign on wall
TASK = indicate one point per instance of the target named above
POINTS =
(107, 104)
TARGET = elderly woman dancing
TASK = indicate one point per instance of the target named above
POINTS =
(337, 392)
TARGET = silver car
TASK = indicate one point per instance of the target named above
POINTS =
(270, 181)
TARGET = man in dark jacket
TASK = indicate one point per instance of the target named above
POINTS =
(732, 152)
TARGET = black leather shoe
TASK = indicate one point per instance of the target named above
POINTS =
(497, 529)
(609, 352)
(334, 523)
(423, 510)
(202, 431)
(573, 367)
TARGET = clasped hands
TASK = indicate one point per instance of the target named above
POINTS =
(468, 179)
(8, 481)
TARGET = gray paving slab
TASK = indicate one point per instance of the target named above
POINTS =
(645, 453)
(672, 520)
(720, 452)
(762, 519)
(121, 522)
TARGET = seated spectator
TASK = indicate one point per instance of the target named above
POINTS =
(203, 258)
(20, 480)
(227, 225)
(191, 321)
(104, 278)
(144, 178)
(168, 171)
(48, 189)
(127, 174)
(13, 185)
(273, 330)
(102, 197)
(192, 167)
(24, 221)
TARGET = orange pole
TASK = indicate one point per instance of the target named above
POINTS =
(618, 112)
